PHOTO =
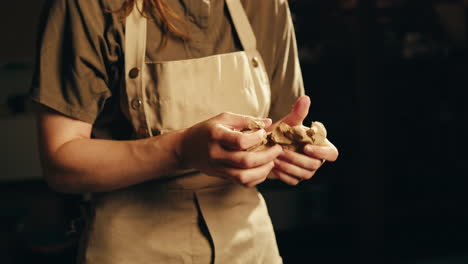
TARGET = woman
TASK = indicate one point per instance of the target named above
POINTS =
(142, 104)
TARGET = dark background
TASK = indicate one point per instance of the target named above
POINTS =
(387, 77)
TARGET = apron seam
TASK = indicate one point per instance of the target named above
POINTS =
(209, 237)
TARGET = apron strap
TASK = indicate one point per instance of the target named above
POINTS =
(242, 25)
(135, 52)
(249, 42)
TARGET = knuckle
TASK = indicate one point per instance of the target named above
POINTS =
(243, 178)
(213, 152)
(258, 182)
(241, 142)
(270, 166)
(223, 115)
(251, 185)
(279, 164)
(245, 161)
(213, 133)
(235, 175)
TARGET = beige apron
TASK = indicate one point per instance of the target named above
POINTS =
(164, 221)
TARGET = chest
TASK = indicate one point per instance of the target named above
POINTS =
(207, 25)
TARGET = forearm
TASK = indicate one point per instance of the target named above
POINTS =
(93, 165)
(75, 163)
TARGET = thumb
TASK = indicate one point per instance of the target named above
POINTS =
(299, 111)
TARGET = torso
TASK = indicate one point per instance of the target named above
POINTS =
(160, 217)
(208, 36)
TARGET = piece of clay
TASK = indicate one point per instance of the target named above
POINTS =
(255, 125)
(318, 133)
(279, 135)
(252, 127)
(290, 138)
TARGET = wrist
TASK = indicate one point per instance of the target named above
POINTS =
(178, 147)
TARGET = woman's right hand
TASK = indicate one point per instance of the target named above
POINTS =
(217, 147)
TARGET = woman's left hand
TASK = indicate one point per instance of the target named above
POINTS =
(292, 167)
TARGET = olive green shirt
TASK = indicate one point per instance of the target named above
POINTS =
(79, 68)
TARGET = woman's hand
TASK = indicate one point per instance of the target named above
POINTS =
(216, 147)
(292, 167)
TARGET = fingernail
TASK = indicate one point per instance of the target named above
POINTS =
(309, 148)
(267, 121)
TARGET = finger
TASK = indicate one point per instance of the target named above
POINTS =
(285, 177)
(293, 170)
(299, 111)
(249, 160)
(272, 176)
(249, 176)
(236, 140)
(301, 160)
(327, 152)
(239, 122)
(255, 183)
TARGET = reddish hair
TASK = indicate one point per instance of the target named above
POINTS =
(163, 13)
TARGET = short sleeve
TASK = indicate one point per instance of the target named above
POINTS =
(286, 77)
(73, 59)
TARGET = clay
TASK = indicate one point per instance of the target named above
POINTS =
(252, 127)
(291, 138)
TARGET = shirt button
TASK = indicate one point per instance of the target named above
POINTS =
(136, 104)
(191, 18)
(255, 62)
(133, 73)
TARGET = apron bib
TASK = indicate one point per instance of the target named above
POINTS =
(164, 221)
(170, 95)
